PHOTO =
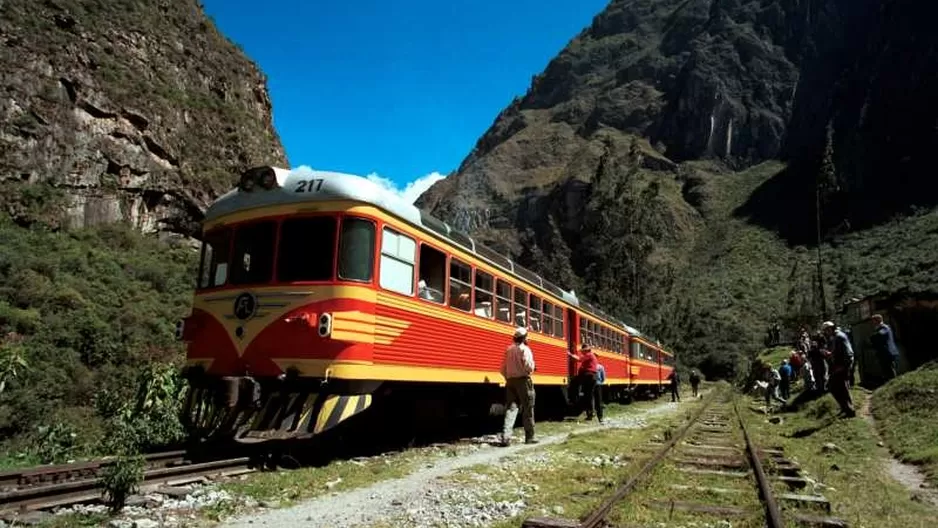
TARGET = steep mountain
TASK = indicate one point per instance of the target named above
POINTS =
(130, 110)
(666, 162)
(120, 120)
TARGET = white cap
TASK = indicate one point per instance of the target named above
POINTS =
(521, 331)
(827, 324)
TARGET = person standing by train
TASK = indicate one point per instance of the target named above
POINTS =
(586, 370)
(675, 383)
(598, 397)
(517, 368)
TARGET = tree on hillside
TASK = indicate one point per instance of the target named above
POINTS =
(825, 184)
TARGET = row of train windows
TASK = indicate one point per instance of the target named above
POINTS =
(470, 290)
(306, 250)
(597, 335)
(641, 351)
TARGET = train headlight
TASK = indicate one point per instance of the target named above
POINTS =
(325, 325)
(264, 177)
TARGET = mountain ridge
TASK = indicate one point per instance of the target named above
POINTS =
(670, 138)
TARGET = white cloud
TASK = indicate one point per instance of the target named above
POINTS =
(413, 189)
(410, 192)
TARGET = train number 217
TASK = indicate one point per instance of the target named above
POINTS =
(308, 186)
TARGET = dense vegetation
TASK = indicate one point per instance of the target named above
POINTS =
(905, 411)
(87, 319)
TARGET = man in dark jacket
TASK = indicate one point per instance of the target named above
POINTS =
(675, 381)
(841, 364)
(694, 381)
(884, 343)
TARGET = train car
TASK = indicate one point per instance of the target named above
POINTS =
(645, 368)
(608, 340)
(322, 295)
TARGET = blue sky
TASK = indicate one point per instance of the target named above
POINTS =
(396, 89)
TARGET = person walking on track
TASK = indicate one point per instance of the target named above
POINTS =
(841, 364)
(694, 382)
(517, 368)
(587, 367)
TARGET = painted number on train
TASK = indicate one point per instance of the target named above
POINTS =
(308, 186)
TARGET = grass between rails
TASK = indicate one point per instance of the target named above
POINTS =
(905, 410)
(853, 477)
(648, 505)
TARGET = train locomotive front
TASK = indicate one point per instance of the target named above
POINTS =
(283, 321)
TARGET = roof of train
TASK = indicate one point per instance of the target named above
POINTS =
(340, 186)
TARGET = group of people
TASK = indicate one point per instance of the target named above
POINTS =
(826, 363)
(517, 368)
(674, 381)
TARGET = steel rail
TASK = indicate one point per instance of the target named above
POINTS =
(58, 473)
(596, 519)
(89, 489)
(773, 516)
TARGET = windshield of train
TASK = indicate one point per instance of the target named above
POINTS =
(306, 252)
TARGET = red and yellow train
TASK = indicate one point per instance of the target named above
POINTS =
(320, 294)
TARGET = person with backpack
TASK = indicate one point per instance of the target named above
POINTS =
(694, 381)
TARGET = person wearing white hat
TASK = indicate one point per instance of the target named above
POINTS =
(519, 389)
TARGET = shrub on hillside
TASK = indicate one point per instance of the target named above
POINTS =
(94, 313)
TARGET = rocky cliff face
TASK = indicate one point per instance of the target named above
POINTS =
(640, 121)
(124, 110)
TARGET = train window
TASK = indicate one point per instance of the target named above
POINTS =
(253, 259)
(298, 257)
(357, 250)
(397, 262)
(548, 324)
(503, 301)
(432, 281)
(214, 266)
(484, 289)
(535, 312)
(460, 286)
(558, 321)
(521, 308)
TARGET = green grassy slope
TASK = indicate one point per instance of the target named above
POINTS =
(905, 411)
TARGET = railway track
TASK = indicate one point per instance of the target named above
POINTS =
(709, 470)
(52, 486)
